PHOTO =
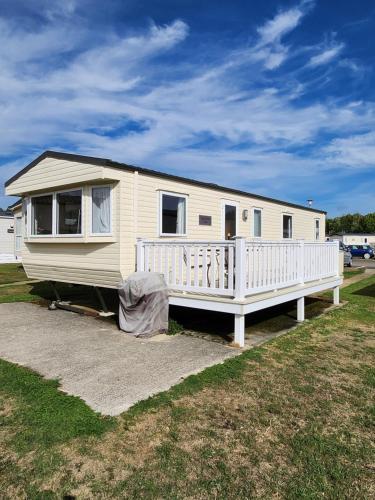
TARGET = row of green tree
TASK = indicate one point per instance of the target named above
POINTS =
(352, 223)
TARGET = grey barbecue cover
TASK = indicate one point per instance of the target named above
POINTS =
(143, 309)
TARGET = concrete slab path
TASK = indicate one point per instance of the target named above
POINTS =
(92, 359)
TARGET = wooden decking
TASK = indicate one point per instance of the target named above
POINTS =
(241, 276)
(324, 284)
(249, 304)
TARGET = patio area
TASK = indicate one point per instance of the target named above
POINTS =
(112, 371)
(92, 359)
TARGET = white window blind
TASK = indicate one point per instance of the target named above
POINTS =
(101, 210)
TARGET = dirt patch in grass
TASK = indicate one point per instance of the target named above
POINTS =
(10, 461)
(6, 407)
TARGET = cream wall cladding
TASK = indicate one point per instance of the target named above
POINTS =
(6, 235)
(106, 260)
(53, 173)
(209, 201)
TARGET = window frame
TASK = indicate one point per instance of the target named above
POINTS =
(30, 216)
(160, 214)
(76, 235)
(231, 203)
(103, 235)
(316, 228)
(253, 209)
(54, 233)
(286, 214)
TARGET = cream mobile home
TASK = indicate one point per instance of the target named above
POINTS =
(7, 238)
(94, 221)
(355, 238)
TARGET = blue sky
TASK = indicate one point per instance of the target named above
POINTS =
(276, 98)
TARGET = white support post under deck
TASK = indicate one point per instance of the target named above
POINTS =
(336, 295)
(240, 288)
(240, 267)
(140, 255)
(239, 329)
(301, 309)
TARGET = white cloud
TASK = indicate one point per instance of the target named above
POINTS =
(269, 48)
(21, 46)
(272, 57)
(57, 9)
(327, 55)
(356, 151)
(273, 30)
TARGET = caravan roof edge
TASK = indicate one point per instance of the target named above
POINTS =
(105, 162)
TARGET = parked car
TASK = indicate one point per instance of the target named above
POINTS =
(348, 259)
(364, 251)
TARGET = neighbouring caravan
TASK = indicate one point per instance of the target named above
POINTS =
(355, 238)
(94, 221)
(7, 238)
(83, 216)
(11, 234)
(19, 229)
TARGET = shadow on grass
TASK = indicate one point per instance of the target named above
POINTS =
(271, 320)
(367, 291)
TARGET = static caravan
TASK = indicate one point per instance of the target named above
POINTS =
(355, 238)
(18, 233)
(7, 238)
(93, 221)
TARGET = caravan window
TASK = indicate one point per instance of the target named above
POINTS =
(41, 215)
(317, 229)
(101, 210)
(69, 212)
(287, 226)
(257, 215)
(173, 214)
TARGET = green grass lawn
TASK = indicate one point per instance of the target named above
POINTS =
(350, 272)
(293, 419)
(9, 273)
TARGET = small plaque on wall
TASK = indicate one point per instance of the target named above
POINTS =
(205, 220)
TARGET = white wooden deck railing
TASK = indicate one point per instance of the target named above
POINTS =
(193, 266)
(237, 268)
(279, 264)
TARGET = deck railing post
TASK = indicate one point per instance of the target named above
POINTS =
(240, 267)
(140, 263)
(337, 257)
(301, 262)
